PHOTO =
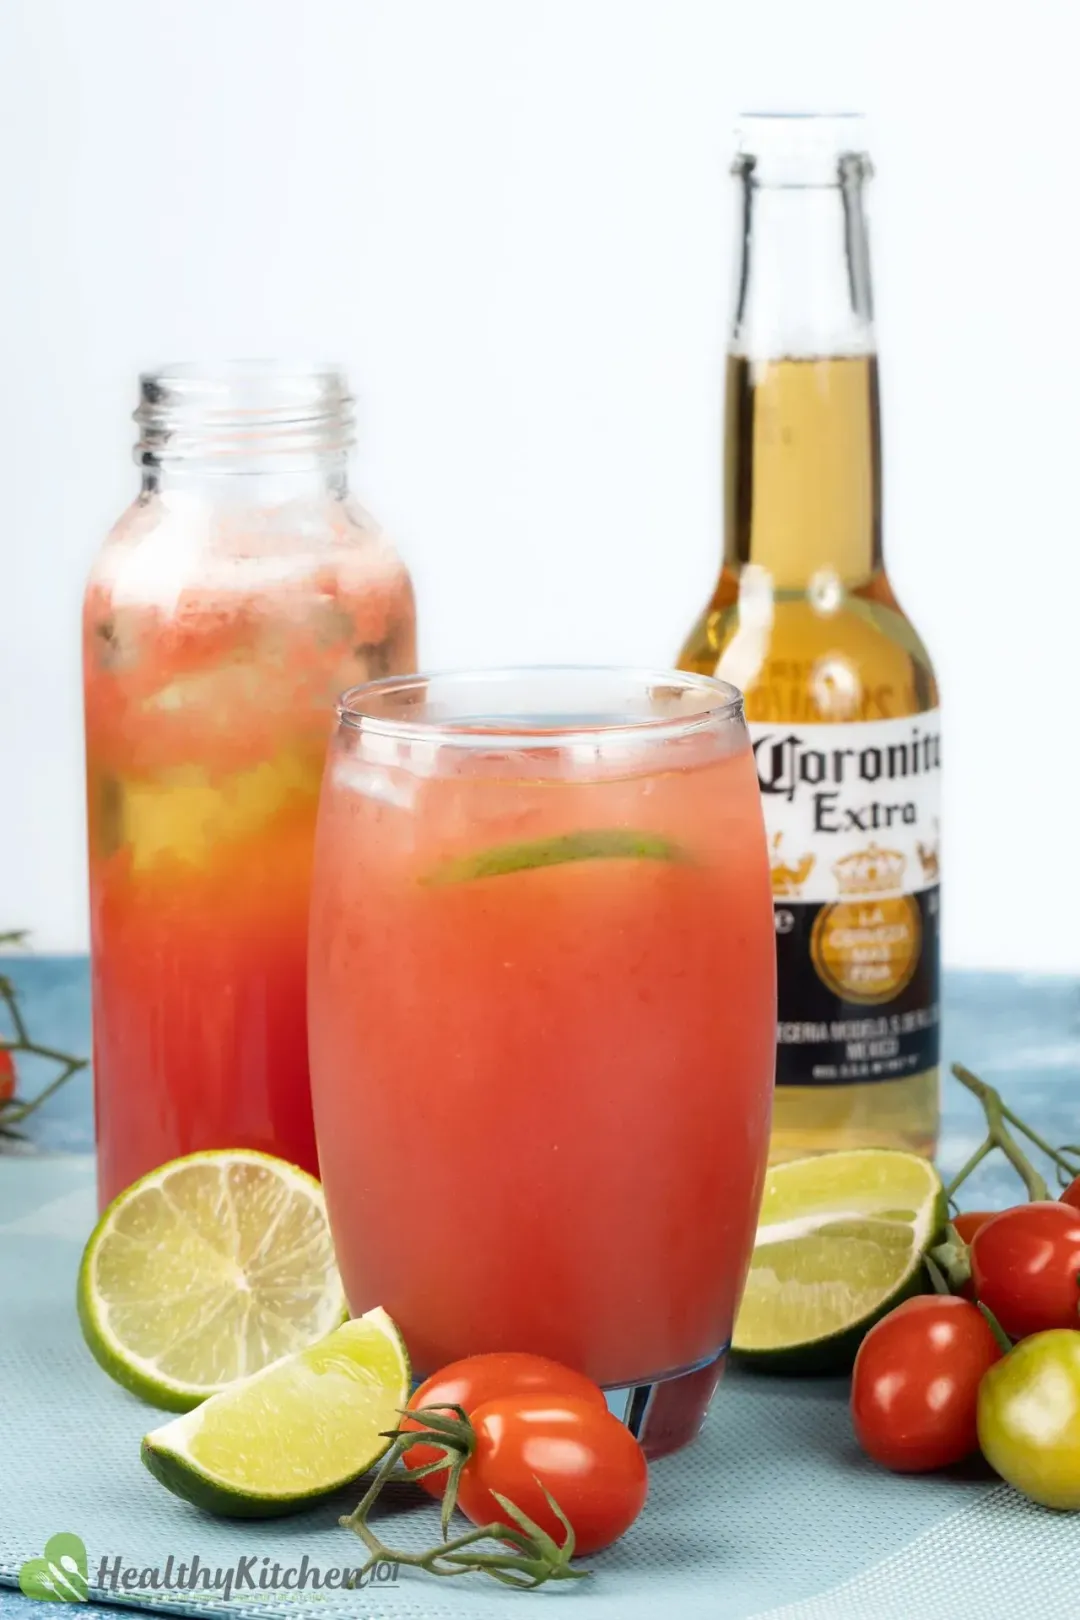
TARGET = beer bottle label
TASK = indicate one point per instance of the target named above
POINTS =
(852, 813)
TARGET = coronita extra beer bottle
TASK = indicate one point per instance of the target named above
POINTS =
(840, 693)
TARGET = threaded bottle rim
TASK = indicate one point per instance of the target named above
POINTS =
(244, 416)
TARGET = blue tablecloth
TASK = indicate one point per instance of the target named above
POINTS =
(773, 1514)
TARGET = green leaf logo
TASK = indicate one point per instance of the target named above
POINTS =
(59, 1577)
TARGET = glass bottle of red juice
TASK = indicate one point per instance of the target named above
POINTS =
(238, 595)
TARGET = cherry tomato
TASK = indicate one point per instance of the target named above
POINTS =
(968, 1222)
(1029, 1418)
(7, 1076)
(1025, 1265)
(1071, 1195)
(471, 1382)
(586, 1458)
(915, 1385)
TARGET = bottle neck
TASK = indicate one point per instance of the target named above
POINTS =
(267, 487)
(245, 434)
(803, 441)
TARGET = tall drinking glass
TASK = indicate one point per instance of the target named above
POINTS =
(542, 1017)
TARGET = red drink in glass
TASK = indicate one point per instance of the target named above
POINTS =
(542, 1014)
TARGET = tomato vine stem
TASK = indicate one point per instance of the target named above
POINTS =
(529, 1556)
(998, 1135)
(14, 1111)
(949, 1263)
(1004, 1343)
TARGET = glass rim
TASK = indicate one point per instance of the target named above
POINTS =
(810, 127)
(212, 374)
(726, 705)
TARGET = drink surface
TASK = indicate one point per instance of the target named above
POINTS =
(542, 1087)
(804, 620)
(211, 662)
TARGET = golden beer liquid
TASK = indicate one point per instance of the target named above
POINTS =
(819, 637)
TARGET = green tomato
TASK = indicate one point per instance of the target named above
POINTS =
(1029, 1418)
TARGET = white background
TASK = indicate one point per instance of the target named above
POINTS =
(510, 218)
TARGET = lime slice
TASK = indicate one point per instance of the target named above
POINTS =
(841, 1239)
(298, 1430)
(205, 1271)
(602, 844)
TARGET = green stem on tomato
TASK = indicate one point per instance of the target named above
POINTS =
(11, 1001)
(1060, 1156)
(972, 1164)
(937, 1276)
(998, 1135)
(14, 1111)
(531, 1567)
(538, 1557)
(951, 1261)
(17, 1112)
(1005, 1344)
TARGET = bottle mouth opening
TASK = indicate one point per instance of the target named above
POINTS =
(802, 149)
(244, 415)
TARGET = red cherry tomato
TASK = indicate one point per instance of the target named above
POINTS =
(7, 1076)
(586, 1458)
(968, 1222)
(1071, 1195)
(915, 1385)
(471, 1382)
(1025, 1265)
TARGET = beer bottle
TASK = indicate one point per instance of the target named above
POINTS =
(840, 692)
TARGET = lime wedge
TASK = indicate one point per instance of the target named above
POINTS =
(205, 1271)
(298, 1430)
(602, 844)
(841, 1239)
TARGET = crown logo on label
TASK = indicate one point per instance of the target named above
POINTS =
(870, 871)
(788, 880)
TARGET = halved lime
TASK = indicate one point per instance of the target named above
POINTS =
(598, 844)
(295, 1431)
(205, 1271)
(841, 1239)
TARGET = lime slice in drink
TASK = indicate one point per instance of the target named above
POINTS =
(298, 1430)
(841, 1239)
(600, 844)
(205, 1271)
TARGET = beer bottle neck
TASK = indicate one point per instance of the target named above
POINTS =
(803, 462)
(802, 281)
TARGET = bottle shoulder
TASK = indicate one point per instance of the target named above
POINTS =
(170, 543)
(825, 652)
